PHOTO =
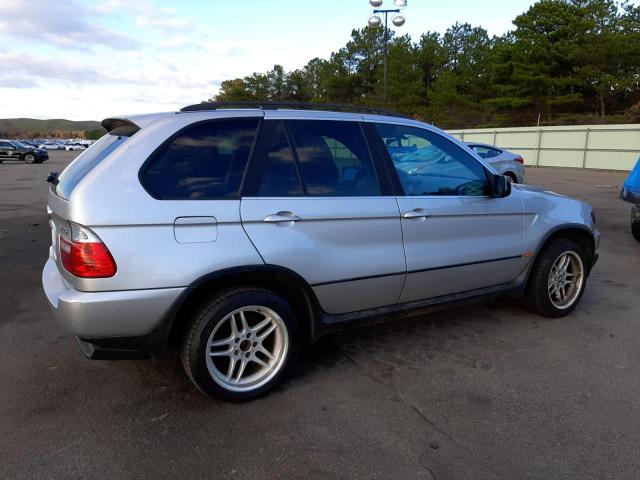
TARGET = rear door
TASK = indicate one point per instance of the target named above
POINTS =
(315, 203)
(457, 238)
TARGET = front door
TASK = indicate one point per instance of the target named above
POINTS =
(457, 238)
(313, 204)
(6, 150)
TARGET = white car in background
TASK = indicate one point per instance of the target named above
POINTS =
(503, 161)
(52, 146)
(74, 146)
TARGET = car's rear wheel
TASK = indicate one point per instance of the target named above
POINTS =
(558, 279)
(512, 176)
(635, 230)
(29, 158)
(240, 344)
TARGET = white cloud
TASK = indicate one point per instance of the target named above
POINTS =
(16, 82)
(175, 42)
(72, 71)
(93, 60)
(163, 22)
(66, 24)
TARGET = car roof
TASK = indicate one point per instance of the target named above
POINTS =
(479, 144)
(280, 113)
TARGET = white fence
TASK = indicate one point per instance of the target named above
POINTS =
(610, 147)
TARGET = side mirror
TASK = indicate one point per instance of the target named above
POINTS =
(501, 186)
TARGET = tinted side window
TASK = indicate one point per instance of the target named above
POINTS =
(205, 161)
(333, 158)
(430, 164)
(279, 174)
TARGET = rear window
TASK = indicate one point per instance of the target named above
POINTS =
(204, 161)
(90, 158)
(486, 152)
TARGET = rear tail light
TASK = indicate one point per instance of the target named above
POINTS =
(84, 255)
(519, 160)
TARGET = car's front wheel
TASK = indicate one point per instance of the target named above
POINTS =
(558, 279)
(240, 344)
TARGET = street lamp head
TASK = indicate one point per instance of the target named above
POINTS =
(400, 3)
(375, 3)
(375, 21)
(398, 20)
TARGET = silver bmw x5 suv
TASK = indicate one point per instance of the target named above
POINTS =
(238, 233)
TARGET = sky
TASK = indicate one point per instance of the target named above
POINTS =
(88, 60)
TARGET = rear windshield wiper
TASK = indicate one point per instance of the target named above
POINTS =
(53, 178)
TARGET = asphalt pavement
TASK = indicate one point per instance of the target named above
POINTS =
(483, 392)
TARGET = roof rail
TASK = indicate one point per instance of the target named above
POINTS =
(267, 105)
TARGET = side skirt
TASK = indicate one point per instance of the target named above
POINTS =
(329, 323)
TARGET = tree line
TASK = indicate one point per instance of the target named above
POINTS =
(28, 134)
(565, 62)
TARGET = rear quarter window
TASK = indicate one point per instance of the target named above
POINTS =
(90, 158)
(204, 161)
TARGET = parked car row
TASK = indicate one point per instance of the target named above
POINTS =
(21, 151)
(58, 144)
(36, 150)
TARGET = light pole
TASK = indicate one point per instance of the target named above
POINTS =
(375, 21)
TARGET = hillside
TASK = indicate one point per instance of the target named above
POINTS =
(34, 128)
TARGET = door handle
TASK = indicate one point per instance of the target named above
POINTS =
(417, 214)
(282, 217)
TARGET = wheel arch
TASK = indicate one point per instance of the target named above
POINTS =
(282, 281)
(576, 232)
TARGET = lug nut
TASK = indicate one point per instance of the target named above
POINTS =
(236, 352)
(255, 344)
(246, 354)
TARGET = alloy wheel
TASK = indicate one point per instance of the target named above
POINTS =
(247, 348)
(565, 280)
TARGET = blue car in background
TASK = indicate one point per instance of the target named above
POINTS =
(631, 193)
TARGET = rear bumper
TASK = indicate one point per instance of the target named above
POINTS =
(114, 348)
(520, 174)
(105, 315)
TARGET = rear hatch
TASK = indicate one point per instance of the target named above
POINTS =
(119, 132)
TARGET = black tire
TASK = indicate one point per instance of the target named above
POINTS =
(635, 230)
(195, 346)
(537, 297)
(512, 176)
